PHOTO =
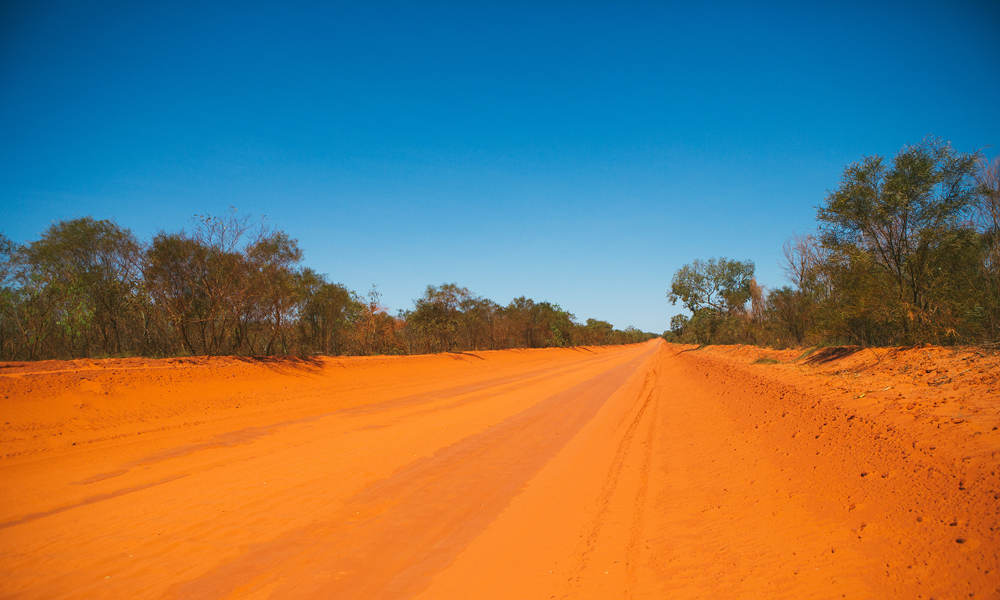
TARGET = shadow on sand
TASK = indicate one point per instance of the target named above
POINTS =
(310, 363)
(692, 349)
(831, 354)
(459, 355)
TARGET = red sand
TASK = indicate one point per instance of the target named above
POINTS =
(645, 471)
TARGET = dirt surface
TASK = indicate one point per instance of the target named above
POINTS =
(644, 471)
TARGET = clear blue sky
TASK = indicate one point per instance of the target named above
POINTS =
(574, 152)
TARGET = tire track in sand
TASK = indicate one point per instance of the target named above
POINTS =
(624, 455)
(427, 512)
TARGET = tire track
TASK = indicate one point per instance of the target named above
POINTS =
(622, 455)
(633, 551)
(437, 505)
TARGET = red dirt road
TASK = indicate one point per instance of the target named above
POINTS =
(645, 471)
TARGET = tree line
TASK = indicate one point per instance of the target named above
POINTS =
(906, 251)
(90, 288)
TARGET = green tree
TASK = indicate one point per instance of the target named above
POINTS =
(987, 218)
(900, 215)
(678, 323)
(271, 291)
(716, 291)
(480, 322)
(718, 284)
(596, 332)
(9, 301)
(551, 325)
(82, 279)
(327, 313)
(437, 316)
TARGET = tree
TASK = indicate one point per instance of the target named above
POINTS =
(82, 278)
(271, 290)
(596, 332)
(550, 325)
(678, 323)
(789, 311)
(437, 316)
(7, 251)
(899, 215)
(326, 314)
(479, 320)
(718, 284)
(988, 220)
(9, 300)
(518, 314)
(716, 291)
(175, 271)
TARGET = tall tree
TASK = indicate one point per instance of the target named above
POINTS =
(900, 214)
(272, 263)
(87, 275)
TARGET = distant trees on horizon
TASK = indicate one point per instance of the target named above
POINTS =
(906, 251)
(90, 288)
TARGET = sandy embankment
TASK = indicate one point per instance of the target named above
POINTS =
(642, 471)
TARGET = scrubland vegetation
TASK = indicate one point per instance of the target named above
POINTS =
(906, 251)
(90, 288)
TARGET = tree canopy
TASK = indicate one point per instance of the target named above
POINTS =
(719, 284)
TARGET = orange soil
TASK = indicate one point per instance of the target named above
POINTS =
(644, 471)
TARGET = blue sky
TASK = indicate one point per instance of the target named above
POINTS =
(573, 152)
